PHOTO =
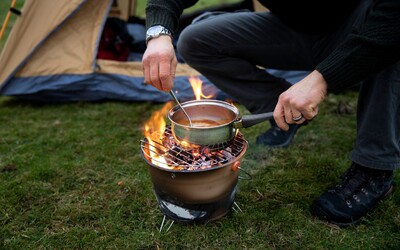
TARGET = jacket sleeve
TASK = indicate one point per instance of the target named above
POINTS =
(166, 12)
(366, 51)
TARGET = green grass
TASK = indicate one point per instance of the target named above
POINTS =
(60, 165)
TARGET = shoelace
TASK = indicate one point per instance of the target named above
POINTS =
(351, 182)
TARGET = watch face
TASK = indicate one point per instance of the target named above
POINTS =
(155, 30)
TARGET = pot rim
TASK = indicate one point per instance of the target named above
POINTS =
(210, 102)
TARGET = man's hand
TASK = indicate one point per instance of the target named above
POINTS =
(159, 63)
(300, 102)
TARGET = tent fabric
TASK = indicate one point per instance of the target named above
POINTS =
(95, 87)
(38, 21)
(72, 48)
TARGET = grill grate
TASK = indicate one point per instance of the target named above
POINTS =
(168, 153)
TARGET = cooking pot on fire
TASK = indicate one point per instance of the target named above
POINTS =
(214, 122)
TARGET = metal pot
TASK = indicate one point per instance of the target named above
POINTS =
(214, 122)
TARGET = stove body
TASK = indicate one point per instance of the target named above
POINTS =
(195, 189)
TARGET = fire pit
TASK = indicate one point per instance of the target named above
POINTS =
(193, 184)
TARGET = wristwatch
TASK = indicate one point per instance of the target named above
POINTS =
(156, 31)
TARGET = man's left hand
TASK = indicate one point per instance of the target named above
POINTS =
(300, 102)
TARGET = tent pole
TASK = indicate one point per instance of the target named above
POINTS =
(3, 28)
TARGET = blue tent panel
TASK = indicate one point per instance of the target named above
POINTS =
(93, 87)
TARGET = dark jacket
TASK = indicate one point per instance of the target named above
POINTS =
(366, 51)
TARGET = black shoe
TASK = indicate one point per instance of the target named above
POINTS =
(275, 137)
(358, 193)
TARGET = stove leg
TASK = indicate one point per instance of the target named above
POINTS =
(172, 223)
(237, 206)
(162, 225)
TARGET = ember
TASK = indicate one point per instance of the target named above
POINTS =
(178, 156)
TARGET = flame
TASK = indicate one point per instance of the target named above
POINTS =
(154, 128)
(153, 131)
(196, 83)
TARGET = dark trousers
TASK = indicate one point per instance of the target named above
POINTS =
(233, 49)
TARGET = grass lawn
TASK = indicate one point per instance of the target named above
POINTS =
(71, 177)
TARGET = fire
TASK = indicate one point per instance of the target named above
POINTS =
(155, 126)
(196, 83)
(153, 131)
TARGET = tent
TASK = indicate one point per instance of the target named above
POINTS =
(51, 54)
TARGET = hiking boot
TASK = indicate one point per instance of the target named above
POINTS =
(359, 192)
(275, 137)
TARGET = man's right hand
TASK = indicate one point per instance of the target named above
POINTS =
(159, 63)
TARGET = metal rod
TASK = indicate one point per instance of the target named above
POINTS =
(249, 176)
(177, 101)
(237, 205)
(163, 224)
(172, 223)
(3, 28)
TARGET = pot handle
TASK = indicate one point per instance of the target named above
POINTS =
(250, 120)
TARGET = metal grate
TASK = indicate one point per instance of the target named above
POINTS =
(169, 152)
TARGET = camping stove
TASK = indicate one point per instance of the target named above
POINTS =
(194, 184)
